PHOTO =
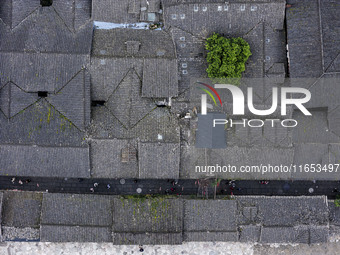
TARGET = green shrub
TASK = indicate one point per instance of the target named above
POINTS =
(337, 201)
(226, 56)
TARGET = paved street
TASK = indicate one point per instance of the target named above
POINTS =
(172, 187)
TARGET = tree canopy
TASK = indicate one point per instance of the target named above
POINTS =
(226, 56)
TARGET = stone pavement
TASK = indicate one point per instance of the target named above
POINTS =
(172, 187)
(210, 248)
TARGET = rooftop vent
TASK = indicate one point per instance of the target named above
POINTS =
(42, 93)
(46, 3)
(132, 47)
(97, 103)
(160, 52)
(129, 154)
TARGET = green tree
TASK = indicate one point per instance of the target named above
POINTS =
(226, 56)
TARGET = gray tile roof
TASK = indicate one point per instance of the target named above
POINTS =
(157, 122)
(313, 129)
(1, 199)
(158, 160)
(304, 40)
(34, 72)
(162, 220)
(199, 216)
(59, 35)
(129, 11)
(250, 233)
(108, 73)
(217, 15)
(13, 12)
(176, 2)
(210, 236)
(15, 100)
(112, 43)
(318, 154)
(301, 219)
(75, 210)
(115, 11)
(134, 217)
(313, 37)
(157, 70)
(76, 218)
(295, 211)
(21, 213)
(21, 209)
(235, 156)
(108, 160)
(39, 124)
(160, 78)
(73, 100)
(147, 238)
(330, 22)
(334, 213)
(299, 234)
(24, 160)
(46, 49)
(274, 48)
(158, 215)
(126, 103)
(285, 234)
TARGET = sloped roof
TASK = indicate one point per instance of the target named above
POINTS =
(25, 160)
(330, 22)
(44, 49)
(72, 99)
(204, 17)
(158, 122)
(129, 11)
(126, 103)
(165, 220)
(107, 157)
(176, 2)
(21, 213)
(34, 72)
(159, 160)
(313, 37)
(21, 209)
(82, 218)
(304, 40)
(75, 209)
(14, 99)
(112, 43)
(108, 73)
(55, 38)
(135, 217)
(160, 78)
(210, 220)
(295, 210)
(40, 124)
(13, 12)
(116, 51)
